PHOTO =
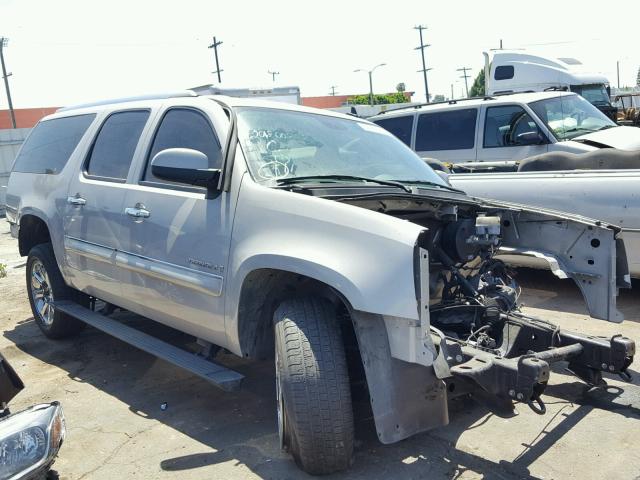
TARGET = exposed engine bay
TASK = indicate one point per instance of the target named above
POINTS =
(485, 344)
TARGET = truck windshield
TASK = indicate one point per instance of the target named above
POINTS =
(594, 94)
(282, 144)
(569, 116)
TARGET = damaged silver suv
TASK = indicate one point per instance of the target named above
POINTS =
(317, 239)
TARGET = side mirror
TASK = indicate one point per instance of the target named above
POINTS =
(185, 165)
(530, 138)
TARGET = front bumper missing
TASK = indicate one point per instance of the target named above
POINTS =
(519, 368)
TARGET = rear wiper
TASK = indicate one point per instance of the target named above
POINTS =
(428, 183)
(294, 180)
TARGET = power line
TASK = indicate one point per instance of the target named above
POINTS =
(215, 46)
(465, 76)
(3, 43)
(333, 90)
(424, 64)
(273, 75)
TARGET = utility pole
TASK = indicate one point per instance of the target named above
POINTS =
(333, 90)
(465, 76)
(3, 43)
(215, 46)
(273, 75)
(424, 64)
(618, 71)
(370, 72)
(500, 44)
(452, 95)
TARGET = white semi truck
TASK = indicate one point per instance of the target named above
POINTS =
(508, 71)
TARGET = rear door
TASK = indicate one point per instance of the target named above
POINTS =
(93, 207)
(176, 241)
(504, 129)
(447, 135)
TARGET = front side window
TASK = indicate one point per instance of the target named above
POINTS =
(569, 116)
(281, 144)
(184, 128)
(508, 126)
(452, 130)
(51, 143)
(113, 149)
(401, 127)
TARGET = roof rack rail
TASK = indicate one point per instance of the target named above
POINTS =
(450, 102)
(157, 96)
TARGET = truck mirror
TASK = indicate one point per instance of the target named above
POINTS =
(185, 165)
(530, 138)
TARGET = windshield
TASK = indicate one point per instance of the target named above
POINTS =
(595, 94)
(570, 116)
(282, 144)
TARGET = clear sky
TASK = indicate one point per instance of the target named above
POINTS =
(69, 51)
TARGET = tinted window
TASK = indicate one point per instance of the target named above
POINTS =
(115, 144)
(503, 125)
(503, 72)
(453, 130)
(51, 143)
(401, 127)
(184, 128)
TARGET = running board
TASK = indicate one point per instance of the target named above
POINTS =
(214, 373)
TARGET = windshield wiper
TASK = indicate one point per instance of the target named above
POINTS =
(428, 183)
(294, 180)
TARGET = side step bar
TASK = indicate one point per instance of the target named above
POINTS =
(214, 373)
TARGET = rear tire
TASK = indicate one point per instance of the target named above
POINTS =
(45, 286)
(314, 398)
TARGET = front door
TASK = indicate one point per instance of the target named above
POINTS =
(176, 240)
(93, 207)
(507, 135)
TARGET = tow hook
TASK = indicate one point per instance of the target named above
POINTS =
(537, 405)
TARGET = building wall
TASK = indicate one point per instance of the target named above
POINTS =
(25, 117)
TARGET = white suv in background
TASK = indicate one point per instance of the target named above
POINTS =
(506, 128)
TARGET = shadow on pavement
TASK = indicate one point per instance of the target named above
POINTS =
(241, 426)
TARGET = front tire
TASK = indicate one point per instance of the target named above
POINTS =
(45, 285)
(315, 416)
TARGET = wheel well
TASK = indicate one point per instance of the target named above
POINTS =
(33, 231)
(262, 291)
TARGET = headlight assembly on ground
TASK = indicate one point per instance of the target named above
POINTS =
(30, 440)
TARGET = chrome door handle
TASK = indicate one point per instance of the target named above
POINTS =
(78, 201)
(137, 212)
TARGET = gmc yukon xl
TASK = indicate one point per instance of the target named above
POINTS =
(313, 238)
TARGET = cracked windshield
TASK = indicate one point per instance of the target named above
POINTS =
(282, 144)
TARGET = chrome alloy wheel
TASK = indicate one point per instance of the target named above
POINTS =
(41, 293)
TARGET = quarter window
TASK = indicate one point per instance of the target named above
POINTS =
(51, 143)
(185, 128)
(401, 127)
(115, 145)
(503, 126)
(503, 72)
(452, 130)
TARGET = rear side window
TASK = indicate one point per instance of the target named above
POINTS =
(185, 128)
(51, 143)
(115, 144)
(452, 130)
(503, 72)
(401, 127)
(504, 125)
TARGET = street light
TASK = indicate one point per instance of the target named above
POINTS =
(370, 72)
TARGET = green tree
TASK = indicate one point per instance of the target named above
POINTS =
(438, 98)
(379, 99)
(477, 89)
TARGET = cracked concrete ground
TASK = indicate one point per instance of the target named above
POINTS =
(113, 394)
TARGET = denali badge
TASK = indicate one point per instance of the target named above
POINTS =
(209, 265)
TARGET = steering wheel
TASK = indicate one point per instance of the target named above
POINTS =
(273, 169)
